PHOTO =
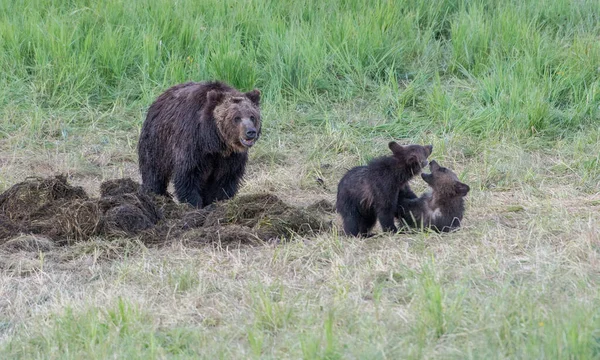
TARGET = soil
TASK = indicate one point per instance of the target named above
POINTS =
(41, 213)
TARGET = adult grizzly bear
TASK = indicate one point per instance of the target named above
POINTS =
(198, 133)
(370, 193)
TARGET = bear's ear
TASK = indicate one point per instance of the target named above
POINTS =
(428, 178)
(461, 189)
(395, 147)
(254, 96)
(434, 166)
(413, 161)
(429, 149)
(215, 96)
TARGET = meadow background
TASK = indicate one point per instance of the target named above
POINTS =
(508, 92)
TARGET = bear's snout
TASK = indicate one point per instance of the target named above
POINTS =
(250, 133)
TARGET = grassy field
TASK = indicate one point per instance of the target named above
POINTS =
(508, 92)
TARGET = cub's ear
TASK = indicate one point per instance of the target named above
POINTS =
(461, 189)
(215, 96)
(429, 149)
(428, 178)
(413, 162)
(434, 166)
(395, 147)
(254, 96)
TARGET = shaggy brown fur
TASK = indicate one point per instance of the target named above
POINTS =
(443, 208)
(199, 135)
(370, 193)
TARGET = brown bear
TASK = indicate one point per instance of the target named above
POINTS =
(198, 133)
(370, 193)
(442, 208)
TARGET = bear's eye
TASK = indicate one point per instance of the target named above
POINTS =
(237, 119)
(252, 118)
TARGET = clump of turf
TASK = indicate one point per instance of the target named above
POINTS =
(74, 220)
(53, 209)
(37, 197)
(268, 216)
(128, 213)
(118, 187)
(8, 228)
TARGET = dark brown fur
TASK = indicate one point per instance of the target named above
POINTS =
(199, 135)
(370, 193)
(442, 209)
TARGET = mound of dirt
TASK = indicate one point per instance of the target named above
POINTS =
(68, 221)
(8, 228)
(118, 187)
(267, 216)
(34, 197)
(52, 209)
(129, 213)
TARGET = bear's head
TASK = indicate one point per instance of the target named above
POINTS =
(237, 117)
(444, 182)
(411, 157)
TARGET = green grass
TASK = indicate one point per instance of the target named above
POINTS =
(481, 67)
(508, 92)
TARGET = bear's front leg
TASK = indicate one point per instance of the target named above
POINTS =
(187, 187)
(227, 189)
(406, 193)
(386, 219)
(228, 176)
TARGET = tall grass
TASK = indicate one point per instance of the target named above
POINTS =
(481, 67)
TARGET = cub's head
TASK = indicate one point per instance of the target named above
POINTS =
(411, 157)
(444, 182)
(237, 116)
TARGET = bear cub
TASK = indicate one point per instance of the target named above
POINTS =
(441, 208)
(370, 193)
(198, 134)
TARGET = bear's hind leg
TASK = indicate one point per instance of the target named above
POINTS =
(365, 224)
(351, 226)
(187, 187)
(357, 225)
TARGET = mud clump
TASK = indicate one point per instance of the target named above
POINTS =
(44, 206)
(129, 219)
(267, 215)
(128, 213)
(8, 228)
(118, 187)
(245, 210)
(54, 210)
(36, 197)
(70, 221)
